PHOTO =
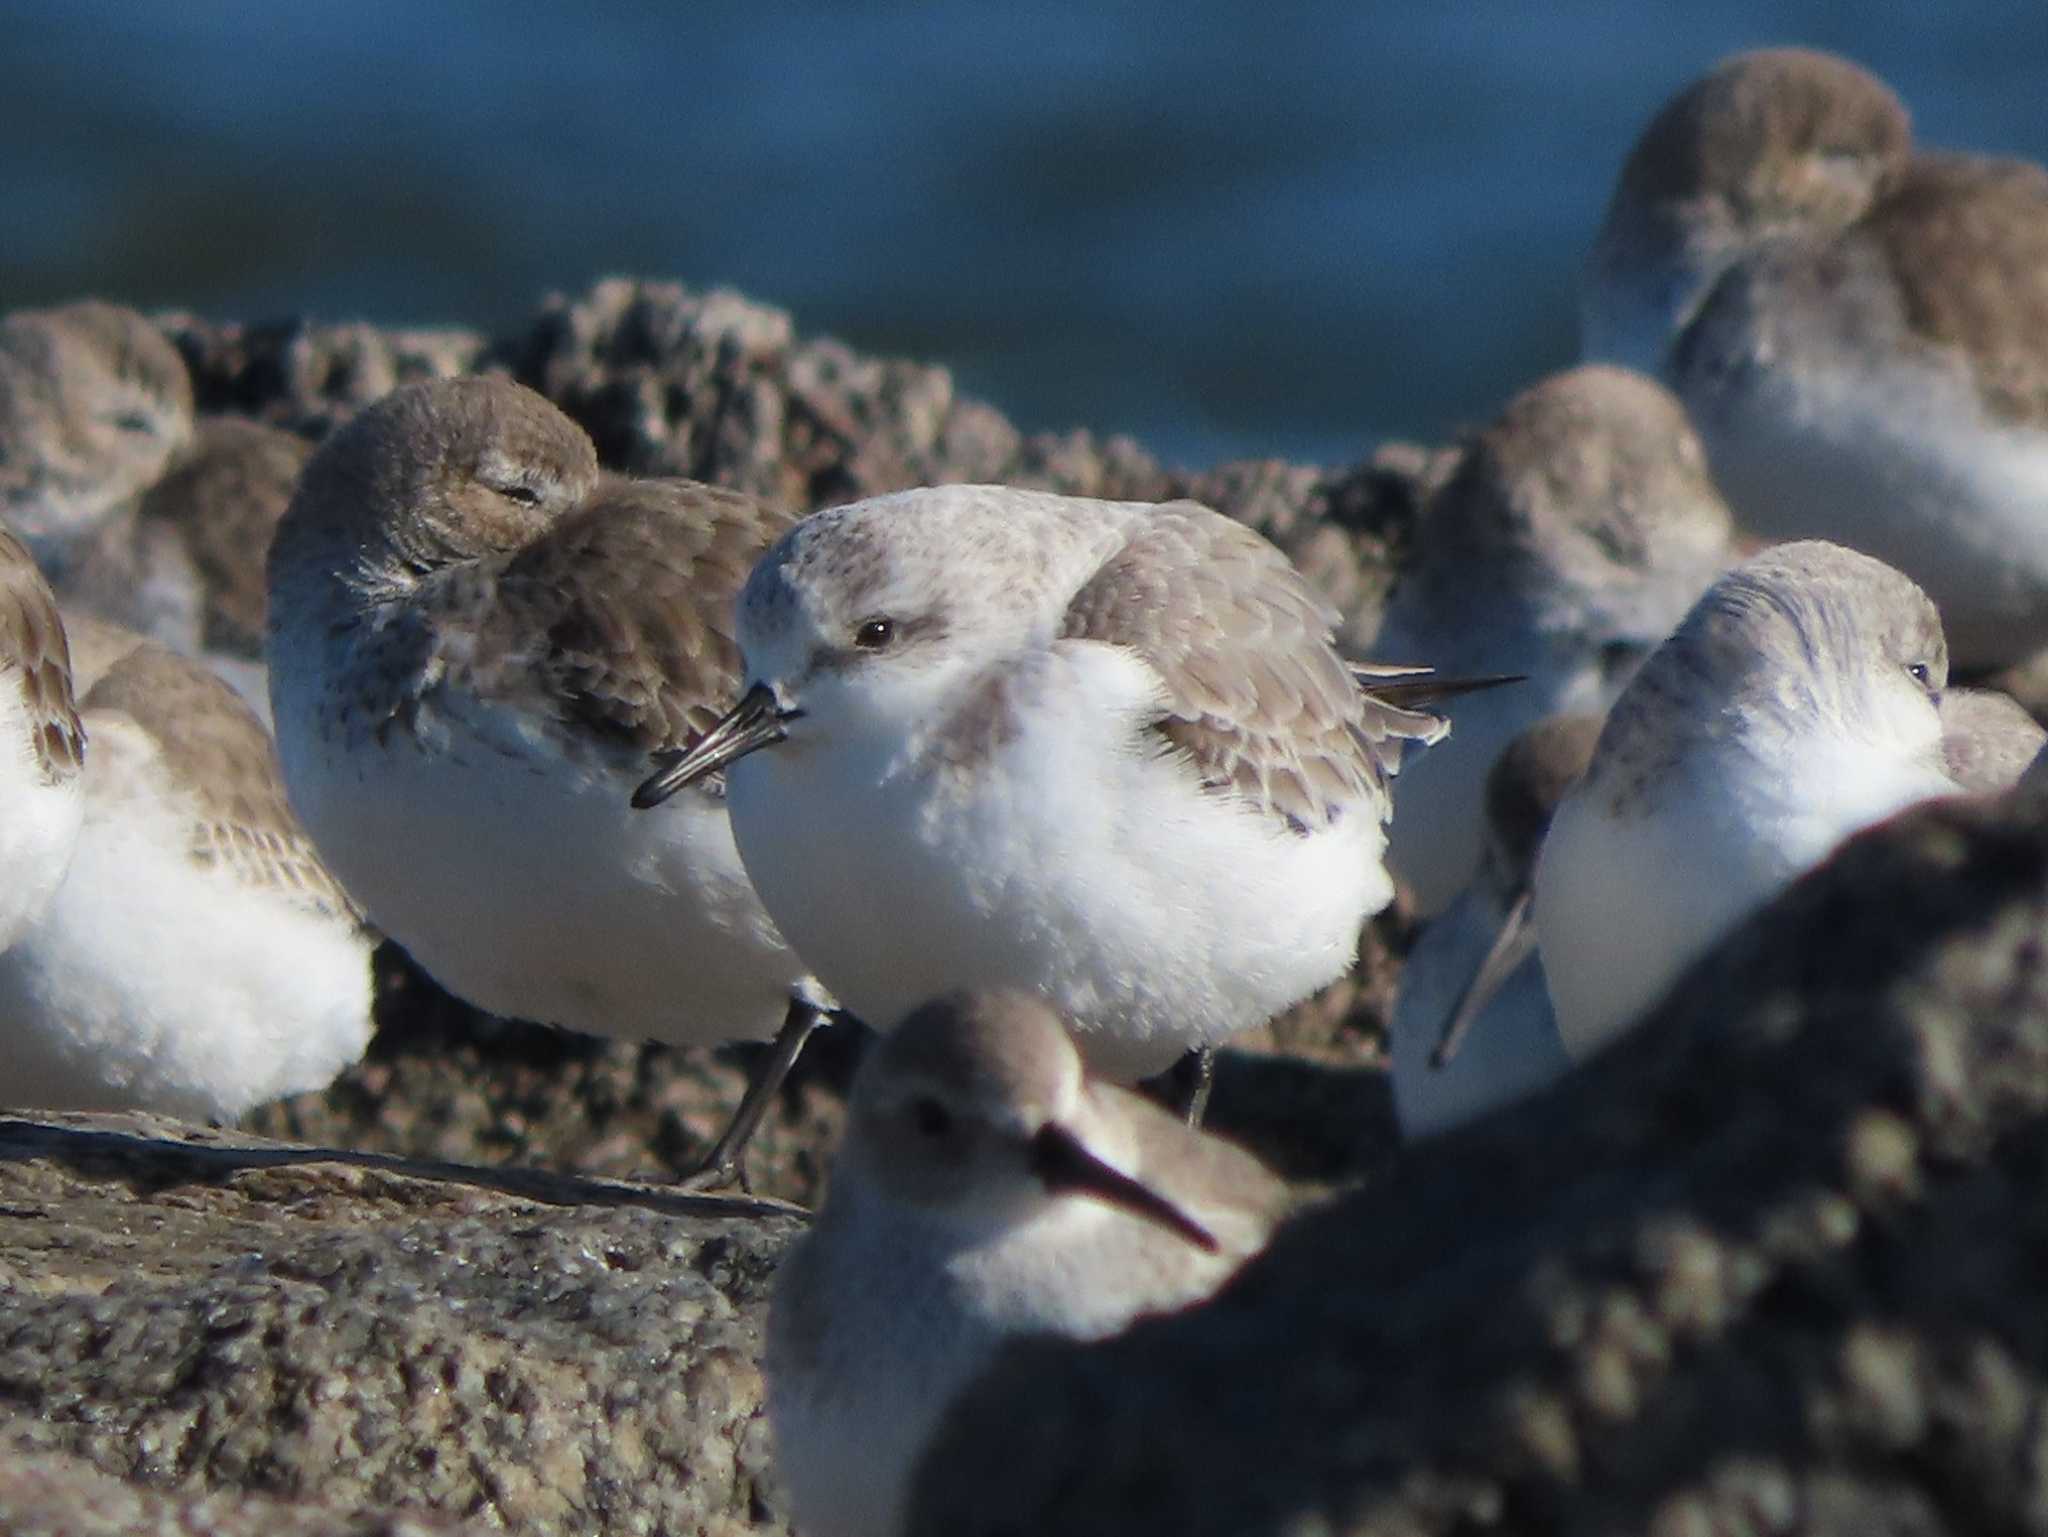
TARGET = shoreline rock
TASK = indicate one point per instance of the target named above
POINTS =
(205, 1312)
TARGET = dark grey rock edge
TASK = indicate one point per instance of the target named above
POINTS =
(1776, 1264)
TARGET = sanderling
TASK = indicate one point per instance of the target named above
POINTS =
(222, 499)
(207, 525)
(94, 405)
(984, 1189)
(196, 958)
(1472, 1028)
(1798, 702)
(1859, 330)
(1103, 752)
(1574, 532)
(475, 643)
(41, 745)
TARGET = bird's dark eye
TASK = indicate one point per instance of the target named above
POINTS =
(524, 495)
(874, 634)
(1921, 674)
(931, 1118)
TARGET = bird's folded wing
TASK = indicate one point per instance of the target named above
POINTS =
(212, 750)
(1256, 695)
(634, 597)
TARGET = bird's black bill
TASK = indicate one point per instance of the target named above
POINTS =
(1419, 688)
(1511, 947)
(1064, 1164)
(757, 721)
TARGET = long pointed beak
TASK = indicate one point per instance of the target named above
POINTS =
(1414, 688)
(757, 721)
(1059, 1159)
(1511, 947)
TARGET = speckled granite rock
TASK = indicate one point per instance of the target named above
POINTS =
(1776, 1264)
(51, 1495)
(198, 1312)
(308, 377)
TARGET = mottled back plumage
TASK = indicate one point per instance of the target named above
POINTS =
(37, 651)
(647, 663)
(1965, 238)
(1258, 697)
(214, 751)
(224, 497)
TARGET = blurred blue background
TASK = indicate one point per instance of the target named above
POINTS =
(1285, 229)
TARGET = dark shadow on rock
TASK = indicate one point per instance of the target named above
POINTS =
(1775, 1261)
(1312, 1122)
(446, 1081)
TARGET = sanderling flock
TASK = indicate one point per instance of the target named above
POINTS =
(1051, 792)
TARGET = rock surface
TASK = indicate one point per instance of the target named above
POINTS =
(204, 1312)
(1775, 1264)
(49, 1494)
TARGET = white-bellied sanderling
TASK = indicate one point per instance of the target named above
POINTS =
(196, 959)
(476, 640)
(1103, 752)
(1858, 329)
(1797, 703)
(985, 1189)
(1575, 530)
(1472, 1028)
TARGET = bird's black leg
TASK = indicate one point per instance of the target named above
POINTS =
(722, 1166)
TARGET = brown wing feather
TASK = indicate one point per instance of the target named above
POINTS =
(34, 644)
(1257, 696)
(1967, 241)
(215, 751)
(635, 593)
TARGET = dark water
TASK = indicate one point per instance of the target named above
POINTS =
(1260, 229)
